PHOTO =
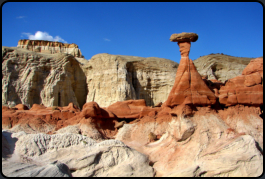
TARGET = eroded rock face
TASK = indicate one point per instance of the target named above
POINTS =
(245, 89)
(220, 67)
(43, 46)
(112, 78)
(255, 65)
(51, 79)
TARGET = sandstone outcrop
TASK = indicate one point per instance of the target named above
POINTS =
(50, 47)
(220, 66)
(93, 121)
(245, 89)
(82, 155)
(112, 78)
(38, 119)
(255, 65)
(130, 109)
(33, 78)
(189, 88)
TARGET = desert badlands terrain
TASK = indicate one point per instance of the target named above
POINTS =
(118, 115)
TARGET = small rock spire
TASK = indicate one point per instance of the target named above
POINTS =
(189, 88)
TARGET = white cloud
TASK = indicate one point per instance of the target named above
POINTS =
(106, 39)
(21, 17)
(43, 36)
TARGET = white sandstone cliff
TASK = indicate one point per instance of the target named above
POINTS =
(52, 79)
(112, 78)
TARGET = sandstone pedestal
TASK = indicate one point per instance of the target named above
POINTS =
(189, 87)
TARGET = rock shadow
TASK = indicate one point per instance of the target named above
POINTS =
(141, 92)
(8, 144)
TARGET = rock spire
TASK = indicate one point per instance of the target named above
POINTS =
(189, 88)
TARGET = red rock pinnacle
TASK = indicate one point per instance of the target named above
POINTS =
(189, 88)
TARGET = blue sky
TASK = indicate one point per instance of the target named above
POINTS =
(139, 28)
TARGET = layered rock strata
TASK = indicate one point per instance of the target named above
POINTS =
(112, 78)
(51, 79)
(246, 89)
(189, 88)
(50, 47)
(133, 77)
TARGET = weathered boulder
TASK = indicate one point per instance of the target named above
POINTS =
(34, 78)
(36, 107)
(184, 37)
(50, 47)
(21, 107)
(244, 89)
(130, 109)
(91, 109)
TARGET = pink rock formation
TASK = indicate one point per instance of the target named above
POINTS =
(189, 88)
(91, 109)
(255, 65)
(130, 109)
(21, 107)
(246, 89)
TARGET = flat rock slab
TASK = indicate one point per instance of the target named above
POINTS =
(184, 37)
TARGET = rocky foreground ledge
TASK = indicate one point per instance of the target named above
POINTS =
(132, 139)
